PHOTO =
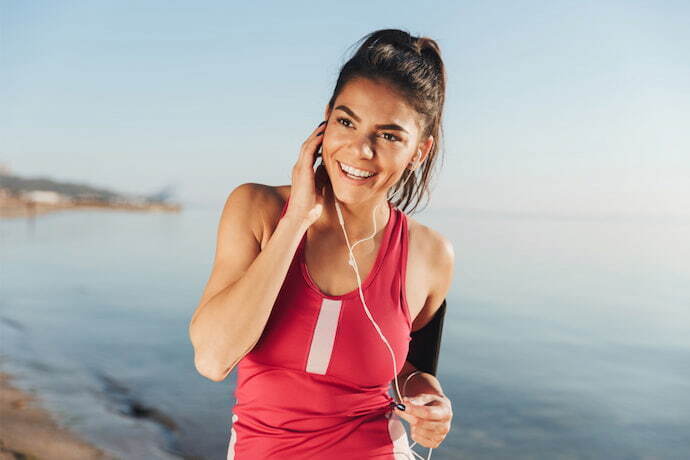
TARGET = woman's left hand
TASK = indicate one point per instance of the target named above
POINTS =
(429, 416)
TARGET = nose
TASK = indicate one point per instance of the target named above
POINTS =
(363, 147)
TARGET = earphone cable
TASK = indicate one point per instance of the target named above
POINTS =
(353, 263)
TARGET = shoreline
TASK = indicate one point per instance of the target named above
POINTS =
(14, 208)
(29, 431)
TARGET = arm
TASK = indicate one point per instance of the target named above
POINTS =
(427, 409)
(243, 286)
(428, 325)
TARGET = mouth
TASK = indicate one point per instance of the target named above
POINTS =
(354, 176)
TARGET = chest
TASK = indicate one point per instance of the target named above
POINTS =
(326, 261)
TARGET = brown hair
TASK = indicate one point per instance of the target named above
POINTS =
(413, 66)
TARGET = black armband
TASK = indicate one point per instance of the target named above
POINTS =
(426, 343)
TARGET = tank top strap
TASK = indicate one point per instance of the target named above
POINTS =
(402, 264)
(392, 230)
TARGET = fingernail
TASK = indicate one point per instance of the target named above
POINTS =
(322, 122)
(400, 406)
(319, 133)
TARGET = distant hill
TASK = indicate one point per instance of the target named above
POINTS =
(16, 185)
(46, 193)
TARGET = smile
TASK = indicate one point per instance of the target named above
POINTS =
(354, 173)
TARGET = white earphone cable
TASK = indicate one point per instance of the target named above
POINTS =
(353, 263)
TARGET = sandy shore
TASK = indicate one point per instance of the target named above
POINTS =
(16, 208)
(30, 432)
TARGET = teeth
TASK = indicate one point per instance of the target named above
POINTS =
(355, 171)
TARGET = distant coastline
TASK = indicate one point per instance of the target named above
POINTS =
(22, 197)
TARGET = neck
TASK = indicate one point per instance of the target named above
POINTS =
(358, 218)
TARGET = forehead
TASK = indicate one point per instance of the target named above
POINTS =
(379, 103)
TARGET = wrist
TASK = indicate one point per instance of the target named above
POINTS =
(296, 223)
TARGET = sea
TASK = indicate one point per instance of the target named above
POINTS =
(565, 337)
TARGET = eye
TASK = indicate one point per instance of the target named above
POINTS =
(343, 119)
(392, 139)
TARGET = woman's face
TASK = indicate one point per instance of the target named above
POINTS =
(372, 129)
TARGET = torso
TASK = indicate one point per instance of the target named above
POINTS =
(337, 279)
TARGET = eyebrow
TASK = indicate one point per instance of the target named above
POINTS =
(392, 126)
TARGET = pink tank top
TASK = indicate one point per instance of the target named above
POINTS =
(316, 384)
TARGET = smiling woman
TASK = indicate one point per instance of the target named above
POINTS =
(317, 330)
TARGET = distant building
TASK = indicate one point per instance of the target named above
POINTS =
(45, 197)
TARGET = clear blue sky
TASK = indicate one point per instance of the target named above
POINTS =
(561, 107)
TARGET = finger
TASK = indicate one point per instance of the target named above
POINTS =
(439, 411)
(310, 148)
(308, 144)
(411, 419)
(318, 131)
(433, 427)
(432, 431)
(423, 398)
(429, 434)
(307, 156)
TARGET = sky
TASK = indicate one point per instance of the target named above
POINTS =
(566, 108)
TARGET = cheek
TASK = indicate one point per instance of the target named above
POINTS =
(332, 139)
(330, 146)
(326, 148)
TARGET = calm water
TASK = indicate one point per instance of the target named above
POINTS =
(564, 339)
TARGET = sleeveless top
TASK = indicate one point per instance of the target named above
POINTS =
(317, 382)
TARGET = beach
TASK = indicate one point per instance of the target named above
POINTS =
(18, 208)
(29, 431)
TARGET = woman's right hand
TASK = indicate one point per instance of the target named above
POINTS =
(307, 192)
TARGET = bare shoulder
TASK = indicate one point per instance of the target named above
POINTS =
(275, 197)
(270, 202)
(279, 192)
(436, 257)
(430, 243)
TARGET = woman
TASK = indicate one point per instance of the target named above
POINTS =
(318, 324)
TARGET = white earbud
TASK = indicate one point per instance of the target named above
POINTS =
(415, 160)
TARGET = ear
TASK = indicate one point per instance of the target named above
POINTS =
(422, 152)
